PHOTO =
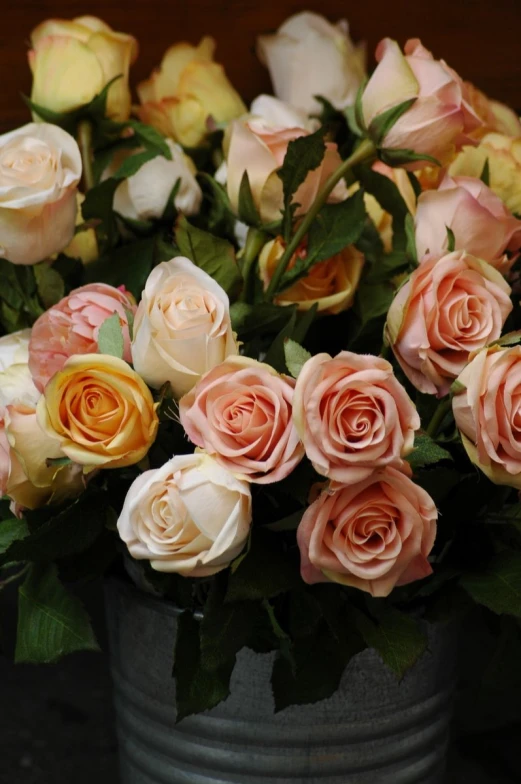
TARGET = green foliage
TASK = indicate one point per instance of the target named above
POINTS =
(51, 622)
(212, 254)
(296, 329)
(426, 452)
(401, 157)
(396, 636)
(382, 123)
(498, 585)
(248, 212)
(295, 356)
(254, 579)
(451, 240)
(19, 303)
(248, 320)
(110, 337)
(485, 173)
(49, 284)
(303, 155)
(390, 199)
(11, 531)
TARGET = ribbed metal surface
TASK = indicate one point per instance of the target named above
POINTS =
(374, 730)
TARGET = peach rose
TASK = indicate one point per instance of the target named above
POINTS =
(309, 56)
(187, 92)
(495, 116)
(487, 410)
(40, 167)
(255, 147)
(503, 155)
(182, 327)
(73, 60)
(100, 411)
(481, 223)
(240, 413)
(373, 535)
(436, 122)
(72, 327)
(353, 415)
(330, 284)
(449, 307)
(25, 476)
(166, 519)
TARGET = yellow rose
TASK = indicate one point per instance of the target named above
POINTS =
(330, 284)
(72, 61)
(503, 154)
(185, 91)
(100, 411)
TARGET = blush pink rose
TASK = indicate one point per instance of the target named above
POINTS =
(437, 122)
(259, 149)
(353, 415)
(372, 535)
(240, 413)
(72, 327)
(481, 223)
(487, 410)
(449, 307)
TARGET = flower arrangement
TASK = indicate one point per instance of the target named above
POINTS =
(268, 359)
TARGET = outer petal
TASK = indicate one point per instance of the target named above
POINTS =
(392, 82)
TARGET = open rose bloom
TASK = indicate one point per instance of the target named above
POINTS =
(260, 355)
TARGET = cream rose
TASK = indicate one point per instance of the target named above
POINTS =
(479, 220)
(503, 155)
(73, 60)
(144, 195)
(40, 167)
(182, 326)
(240, 413)
(448, 308)
(187, 91)
(309, 56)
(191, 516)
(372, 535)
(487, 410)
(353, 415)
(99, 411)
(14, 349)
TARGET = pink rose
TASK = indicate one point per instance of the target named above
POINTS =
(72, 327)
(448, 308)
(487, 410)
(437, 121)
(352, 415)
(240, 413)
(481, 223)
(258, 148)
(372, 535)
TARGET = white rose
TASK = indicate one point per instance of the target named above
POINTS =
(191, 516)
(309, 56)
(14, 349)
(144, 195)
(40, 167)
(280, 114)
(17, 386)
(182, 326)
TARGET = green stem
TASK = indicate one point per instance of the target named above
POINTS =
(16, 576)
(437, 418)
(366, 151)
(255, 241)
(84, 133)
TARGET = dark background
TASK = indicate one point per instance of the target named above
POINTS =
(479, 38)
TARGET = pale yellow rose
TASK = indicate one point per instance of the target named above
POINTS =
(100, 412)
(40, 167)
(503, 154)
(330, 284)
(73, 60)
(497, 117)
(186, 91)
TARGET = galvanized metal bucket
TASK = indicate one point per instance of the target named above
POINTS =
(374, 730)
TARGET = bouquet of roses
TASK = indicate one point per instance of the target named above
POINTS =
(269, 360)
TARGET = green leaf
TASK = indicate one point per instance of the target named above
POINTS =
(66, 120)
(51, 622)
(248, 212)
(410, 239)
(382, 123)
(150, 138)
(220, 218)
(296, 328)
(303, 155)
(485, 173)
(400, 157)
(289, 523)
(49, 284)
(397, 637)
(426, 452)
(252, 580)
(197, 688)
(249, 320)
(296, 356)
(12, 531)
(133, 163)
(415, 184)
(451, 240)
(498, 586)
(129, 264)
(389, 198)
(214, 255)
(110, 337)
(98, 205)
(360, 128)
(373, 301)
